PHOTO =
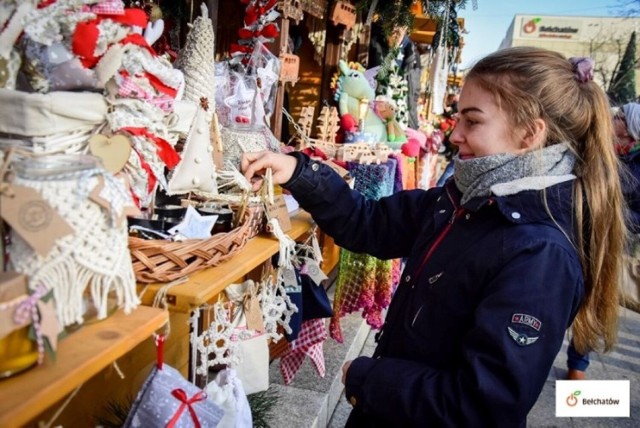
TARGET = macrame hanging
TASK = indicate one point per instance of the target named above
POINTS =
(91, 262)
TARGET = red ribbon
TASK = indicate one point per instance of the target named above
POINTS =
(166, 152)
(159, 86)
(236, 48)
(256, 11)
(46, 3)
(269, 31)
(186, 402)
(160, 351)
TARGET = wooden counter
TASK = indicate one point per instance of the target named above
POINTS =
(80, 356)
(203, 286)
(86, 356)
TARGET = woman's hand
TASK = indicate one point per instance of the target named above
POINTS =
(255, 164)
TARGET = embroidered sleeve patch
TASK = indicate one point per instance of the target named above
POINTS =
(523, 329)
(525, 319)
(521, 338)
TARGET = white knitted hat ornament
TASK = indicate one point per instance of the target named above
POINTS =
(196, 60)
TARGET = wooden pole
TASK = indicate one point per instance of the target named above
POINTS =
(212, 5)
(277, 111)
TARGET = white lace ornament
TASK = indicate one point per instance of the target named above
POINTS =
(217, 340)
(277, 308)
(95, 257)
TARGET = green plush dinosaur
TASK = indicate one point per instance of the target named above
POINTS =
(353, 87)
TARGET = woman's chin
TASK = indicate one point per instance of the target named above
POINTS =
(466, 157)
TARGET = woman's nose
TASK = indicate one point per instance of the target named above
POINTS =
(456, 136)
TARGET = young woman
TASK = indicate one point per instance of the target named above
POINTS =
(522, 242)
(626, 125)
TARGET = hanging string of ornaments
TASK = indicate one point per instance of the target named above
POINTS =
(259, 26)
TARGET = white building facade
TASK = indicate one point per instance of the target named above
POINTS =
(602, 38)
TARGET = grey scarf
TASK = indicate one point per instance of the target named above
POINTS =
(507, 173)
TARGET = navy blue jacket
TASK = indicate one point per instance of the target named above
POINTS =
(631, 190)
(486, 295)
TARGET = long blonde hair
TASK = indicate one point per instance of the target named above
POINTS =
(532, 83)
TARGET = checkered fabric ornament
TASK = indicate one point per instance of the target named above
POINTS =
(308, 344)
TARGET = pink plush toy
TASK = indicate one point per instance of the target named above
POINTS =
(416, 140)
(411, 148)
(348, 123)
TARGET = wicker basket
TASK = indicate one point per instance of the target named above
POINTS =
(156, 260)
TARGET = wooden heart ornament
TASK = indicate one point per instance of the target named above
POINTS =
(112, 151)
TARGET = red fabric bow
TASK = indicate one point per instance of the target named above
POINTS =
(269, 31)
(181, 395)
(166, 152)
(255, 11)
(235, 48)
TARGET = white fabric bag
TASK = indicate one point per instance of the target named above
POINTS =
(227, 393)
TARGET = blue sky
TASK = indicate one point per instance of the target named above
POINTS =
(488, 24)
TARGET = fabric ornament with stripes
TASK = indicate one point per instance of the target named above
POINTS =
(308, 344)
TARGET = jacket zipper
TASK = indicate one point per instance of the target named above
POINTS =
(457, 213)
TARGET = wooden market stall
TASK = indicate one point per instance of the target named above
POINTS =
(103, 364)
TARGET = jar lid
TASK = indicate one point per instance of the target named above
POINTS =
(170, 211)
(55, 166)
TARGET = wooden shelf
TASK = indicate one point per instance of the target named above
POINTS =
(80, 356)
(203, 286)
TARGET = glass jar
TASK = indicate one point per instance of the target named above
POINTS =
(17, 352)
(224, 222)
(56, 167)
(83, 268)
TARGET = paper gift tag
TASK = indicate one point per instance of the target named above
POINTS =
(113, 151)
(279, 210)
(290, 280)
(51, 327)
(33, 218)
(289, 68)
(111, 200)
(253, 314)
(313, 270)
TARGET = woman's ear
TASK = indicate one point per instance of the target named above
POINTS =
(535, 136)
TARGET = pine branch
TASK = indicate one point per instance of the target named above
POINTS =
(115, 413)
(262, 406)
